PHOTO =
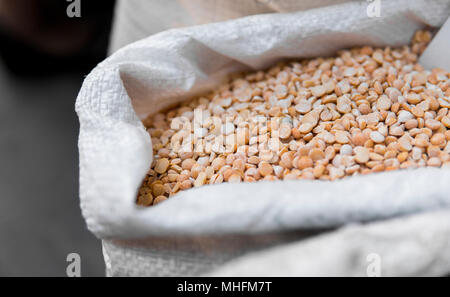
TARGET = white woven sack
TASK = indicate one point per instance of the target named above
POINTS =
(415, 245)
(137, 19)
(204, 227)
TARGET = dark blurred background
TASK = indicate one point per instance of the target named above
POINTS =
(44, 56)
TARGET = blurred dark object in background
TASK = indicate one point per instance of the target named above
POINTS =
(37, 37)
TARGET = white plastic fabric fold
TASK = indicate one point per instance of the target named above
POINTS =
(416, 245)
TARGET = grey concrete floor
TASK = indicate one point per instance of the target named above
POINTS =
(40, 218)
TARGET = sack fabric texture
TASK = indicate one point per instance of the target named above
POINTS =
(137, 19)
(200, 230)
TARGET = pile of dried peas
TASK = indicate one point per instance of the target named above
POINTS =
(366, 110)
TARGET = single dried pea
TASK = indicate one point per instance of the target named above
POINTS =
(161, 165)
(361, 154)
(265, 168)
(159, 199)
